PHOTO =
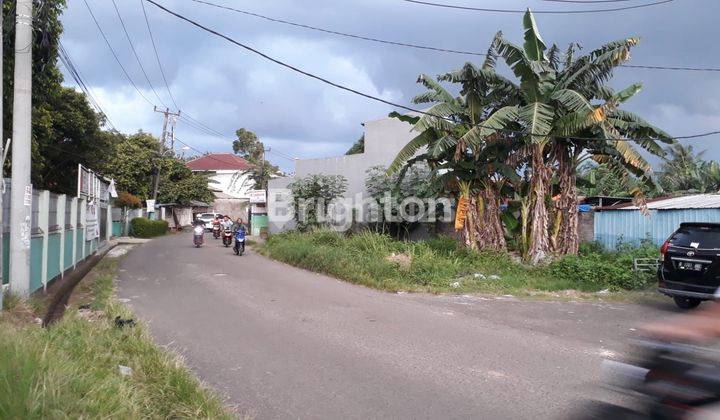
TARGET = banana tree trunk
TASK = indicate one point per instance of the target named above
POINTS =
(469, 229)
(539, 241)
(489, 226)
(567, 239)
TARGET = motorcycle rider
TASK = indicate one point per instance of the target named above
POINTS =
(237, 225)
(226, 223)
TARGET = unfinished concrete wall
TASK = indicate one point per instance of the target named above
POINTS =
(384, 138)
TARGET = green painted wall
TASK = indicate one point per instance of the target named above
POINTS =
(69, 243)
(79, 239)
(53, 258)
(116, 228)
(258, 222)
(36, 250)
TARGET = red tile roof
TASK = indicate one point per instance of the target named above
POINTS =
(219, 162)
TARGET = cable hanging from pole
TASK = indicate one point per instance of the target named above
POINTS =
(414, 45)
(384, 101)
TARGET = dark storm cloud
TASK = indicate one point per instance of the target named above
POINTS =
(227, 87)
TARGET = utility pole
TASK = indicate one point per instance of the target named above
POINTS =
(21, 189)
(161, 146)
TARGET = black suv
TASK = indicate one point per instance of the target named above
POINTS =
(689, 270)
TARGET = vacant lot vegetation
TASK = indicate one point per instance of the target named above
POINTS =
(440, 265)
(71, 370)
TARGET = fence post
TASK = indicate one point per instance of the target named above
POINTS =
(74, 224)
(83, 210)
(108, 222)
(44, 226)
(61, 200)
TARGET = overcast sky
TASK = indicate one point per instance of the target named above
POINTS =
(227, 87)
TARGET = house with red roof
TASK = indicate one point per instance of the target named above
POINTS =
(228, 179)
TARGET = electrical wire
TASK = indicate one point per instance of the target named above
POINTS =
(547, 12)
(329, 31)
(417, 46)
(114, 54)
(137, 57)
(157, 56)
(587, 1)
(376, 98)
(75, 74)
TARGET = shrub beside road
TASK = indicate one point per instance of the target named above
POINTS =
(442, 265)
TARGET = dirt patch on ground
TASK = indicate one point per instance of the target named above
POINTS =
(403, 260)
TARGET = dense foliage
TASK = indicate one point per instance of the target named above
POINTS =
(523, 138)
(142, 227)
(442, 265)
(65, 129)
(311, 196)
(390, 190)
(685, 171)
(127, 200)
(132, 164)
(357, 147)
(250, 148)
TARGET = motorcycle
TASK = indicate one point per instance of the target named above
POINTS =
(239, 247)
(669, 381)
(216, 231)
(198, 236)
(227, 237)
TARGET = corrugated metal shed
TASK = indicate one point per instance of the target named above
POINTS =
(627, 224)
(697, 201)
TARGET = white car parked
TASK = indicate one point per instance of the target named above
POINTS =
(208, 218)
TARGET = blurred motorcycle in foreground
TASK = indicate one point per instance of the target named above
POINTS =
(666, 381)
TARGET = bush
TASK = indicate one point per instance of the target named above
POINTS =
(145, 228)
(125, 199)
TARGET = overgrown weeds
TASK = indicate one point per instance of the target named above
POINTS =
(441, 265)
(71, 369)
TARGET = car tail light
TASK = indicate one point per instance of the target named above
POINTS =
(663, 250)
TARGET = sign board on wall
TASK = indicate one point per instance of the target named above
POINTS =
(256, 196)
(92, 229)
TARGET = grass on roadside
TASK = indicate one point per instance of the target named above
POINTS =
(440, 265)
(70, 370)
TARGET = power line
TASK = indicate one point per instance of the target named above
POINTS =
(114, 54)
(554, 12)
(413, 45)
(157, 56)
(75, 74)
(137, 57)
(587, 1)
(329, 31)
(375, 98)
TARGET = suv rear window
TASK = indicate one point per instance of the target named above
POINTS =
(208, 215)
(706, 236)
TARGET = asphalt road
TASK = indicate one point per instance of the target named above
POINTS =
(280, 342)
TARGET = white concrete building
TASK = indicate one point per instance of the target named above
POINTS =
(384, 138)
(228, 180)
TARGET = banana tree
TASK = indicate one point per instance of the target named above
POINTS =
(563, 111)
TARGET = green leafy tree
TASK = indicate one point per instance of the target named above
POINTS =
(65, 129)
(685, 171)
(311, 196)
(557, 112)
(357, 147)
(132, 164)
(250, 148)
(390, 190)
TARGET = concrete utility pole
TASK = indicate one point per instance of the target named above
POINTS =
(161, 147)
(21, 193)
